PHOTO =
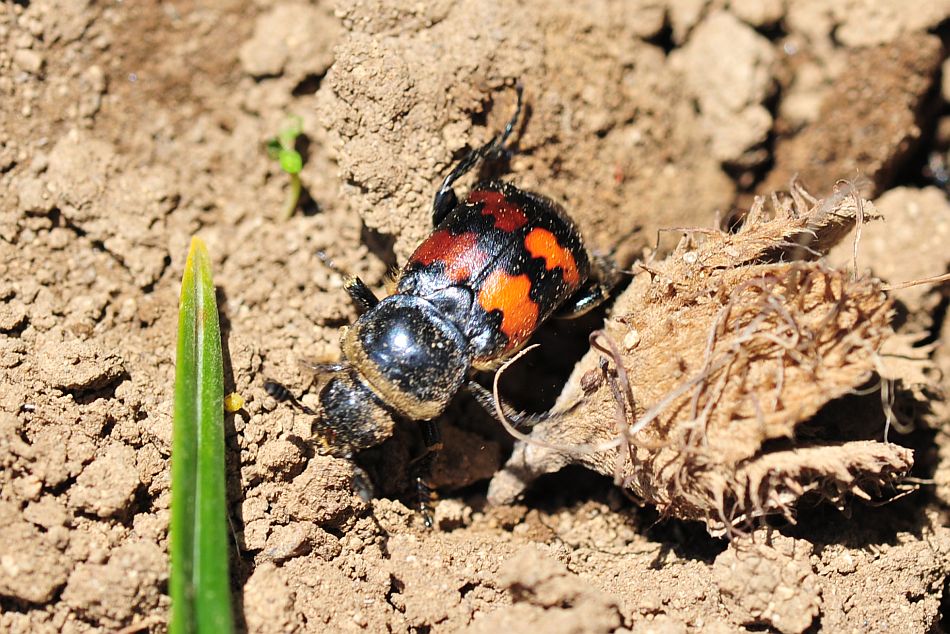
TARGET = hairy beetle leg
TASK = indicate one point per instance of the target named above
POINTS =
(445, 199)
(422, 470)
(604, 279)
(521, 420)
(361, 294)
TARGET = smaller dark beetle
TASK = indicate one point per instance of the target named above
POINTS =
(498, 264)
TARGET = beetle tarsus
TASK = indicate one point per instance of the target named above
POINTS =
(422, 469)
(605, 276)
(520, 420)
(445, 199)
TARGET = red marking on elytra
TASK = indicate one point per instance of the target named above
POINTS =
(508, 216)
(541, 243)
(459, 254)
(510, 295)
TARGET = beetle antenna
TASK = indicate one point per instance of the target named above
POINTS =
(280, 393)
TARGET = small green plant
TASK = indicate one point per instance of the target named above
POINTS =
(199, 584)
(282, 148)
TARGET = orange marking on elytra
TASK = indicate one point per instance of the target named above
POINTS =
(541, 243)
(459, 254)
(508, 217)
(509, 294)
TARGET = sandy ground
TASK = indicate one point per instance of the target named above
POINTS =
(128, 127)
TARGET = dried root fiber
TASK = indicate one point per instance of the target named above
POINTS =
(696, 394)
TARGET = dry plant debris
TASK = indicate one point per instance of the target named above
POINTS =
(729, 349)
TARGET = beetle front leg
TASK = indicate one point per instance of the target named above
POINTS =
(359, 292)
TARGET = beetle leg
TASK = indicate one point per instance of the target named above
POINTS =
(599, 287)
(361, 294)
(422, 469)
(521, 420)
(445, 199)
(323, 368)
(362, 483)
(584, 300)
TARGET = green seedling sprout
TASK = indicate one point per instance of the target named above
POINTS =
(281, 148)
(199, 583)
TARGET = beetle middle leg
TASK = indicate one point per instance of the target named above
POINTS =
(422, 469)
(521, 420)
(598, 289)
(445, 199)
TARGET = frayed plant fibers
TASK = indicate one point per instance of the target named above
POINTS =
(727, 348)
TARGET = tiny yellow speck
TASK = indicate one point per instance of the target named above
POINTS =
(233, 402)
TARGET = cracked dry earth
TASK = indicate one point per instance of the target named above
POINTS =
(127, 127)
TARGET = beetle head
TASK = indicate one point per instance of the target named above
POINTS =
(351, 418)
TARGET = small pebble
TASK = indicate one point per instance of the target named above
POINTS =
(28, 60)
(631, 340)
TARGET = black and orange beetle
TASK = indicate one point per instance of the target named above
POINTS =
(496, 266)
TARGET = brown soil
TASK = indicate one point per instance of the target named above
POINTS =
(128, 127)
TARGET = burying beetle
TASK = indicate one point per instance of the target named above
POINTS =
(497, 265)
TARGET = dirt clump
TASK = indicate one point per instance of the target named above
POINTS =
(767, 585)
(127, 585)
(33, 569)
(293, 40)
(865, 126)
(730, 92)
(548, 597)
(116, 465)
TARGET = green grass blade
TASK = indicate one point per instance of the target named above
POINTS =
(200, 585)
